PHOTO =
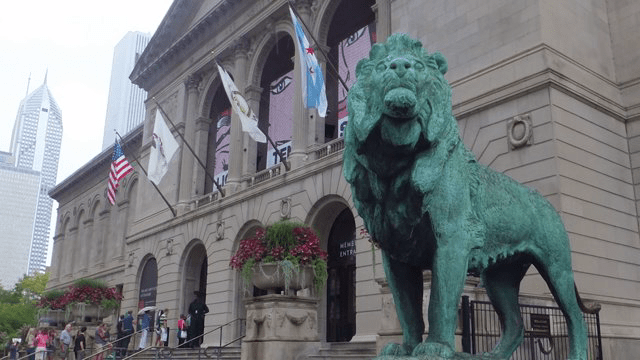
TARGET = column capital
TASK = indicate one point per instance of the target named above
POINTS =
(203, 123)
(192, 82)
(303, 6)
(241, 47)
(253, 92)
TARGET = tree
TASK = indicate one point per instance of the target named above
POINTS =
(18, 306)
(32, 287)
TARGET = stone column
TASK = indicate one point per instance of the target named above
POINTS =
(188, 160)
(252, 94)
(300, 113)
(236, 153)
(113, 249)
(382, 9)
(104, 229)
(280, 327)
(71, 252)
(56, 255)
(87, 247)
(201, 143)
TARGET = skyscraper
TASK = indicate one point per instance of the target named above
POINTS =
(19, 194)
(125, 107)
(35, 146)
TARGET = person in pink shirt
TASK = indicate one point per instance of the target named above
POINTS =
(41, 344)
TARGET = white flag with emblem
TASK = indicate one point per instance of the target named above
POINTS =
(163, 147)
(241, 107)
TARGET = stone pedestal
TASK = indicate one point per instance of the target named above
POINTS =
(390, 330)
(280, 327)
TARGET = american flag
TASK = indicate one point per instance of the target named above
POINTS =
(120, 168)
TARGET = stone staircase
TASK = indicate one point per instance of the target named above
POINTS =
(227, 353)
(327, 351)
(345, 351)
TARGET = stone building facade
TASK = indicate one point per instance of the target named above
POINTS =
(547, 92)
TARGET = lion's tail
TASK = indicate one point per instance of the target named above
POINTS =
(589, 308)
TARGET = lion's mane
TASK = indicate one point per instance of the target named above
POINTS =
(378, 163)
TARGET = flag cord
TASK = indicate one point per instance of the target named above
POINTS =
(145, 174)
(164, 114)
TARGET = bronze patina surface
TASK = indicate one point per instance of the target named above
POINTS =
(430, 205)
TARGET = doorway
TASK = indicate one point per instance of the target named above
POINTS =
(341, 290)
(194, 276)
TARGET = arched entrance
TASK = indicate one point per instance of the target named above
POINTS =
(194, 276)
(341, 292)
(148, 284)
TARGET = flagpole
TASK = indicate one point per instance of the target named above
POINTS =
(145, 174)
(164, 114)
(326, 57)
(282, 159)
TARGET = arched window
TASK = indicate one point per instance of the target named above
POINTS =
(351, 35)
(148, 284)
(218, 140)
(276, 102)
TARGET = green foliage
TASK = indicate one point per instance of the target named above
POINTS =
(321, 274)
(288, 267)
(34, 284)
(17, 306)
(246, 272)
(109, 304)
(53, 294)
(10, 297)
(14, 316)
(281, 234)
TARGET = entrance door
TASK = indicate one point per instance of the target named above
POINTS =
(341, 291)
(195, 276)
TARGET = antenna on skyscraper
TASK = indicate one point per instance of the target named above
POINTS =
(28, 83)
(45, 76)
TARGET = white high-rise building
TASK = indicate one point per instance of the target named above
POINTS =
(125, 107)
(35, 146)
(19, 194)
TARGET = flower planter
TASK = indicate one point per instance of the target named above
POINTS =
(271, 276)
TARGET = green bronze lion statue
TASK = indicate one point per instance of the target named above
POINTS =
(428, 204)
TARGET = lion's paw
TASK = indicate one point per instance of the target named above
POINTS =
(393, 350)
(433, 351)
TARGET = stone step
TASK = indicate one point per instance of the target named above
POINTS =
(227, 353)
(345, 351)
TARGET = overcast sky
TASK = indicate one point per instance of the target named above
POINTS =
(74, 40)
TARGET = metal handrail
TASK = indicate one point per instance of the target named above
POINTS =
(168, 352)
(109, 346)
(32, 354)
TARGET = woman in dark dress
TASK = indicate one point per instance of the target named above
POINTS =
(80, 344)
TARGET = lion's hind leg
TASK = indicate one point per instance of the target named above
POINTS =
(559, 278)
(502, 282)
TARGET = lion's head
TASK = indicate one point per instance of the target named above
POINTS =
(399, 112)
(400, 103)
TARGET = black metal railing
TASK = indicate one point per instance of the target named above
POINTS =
(238, 326)
(546, 333)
